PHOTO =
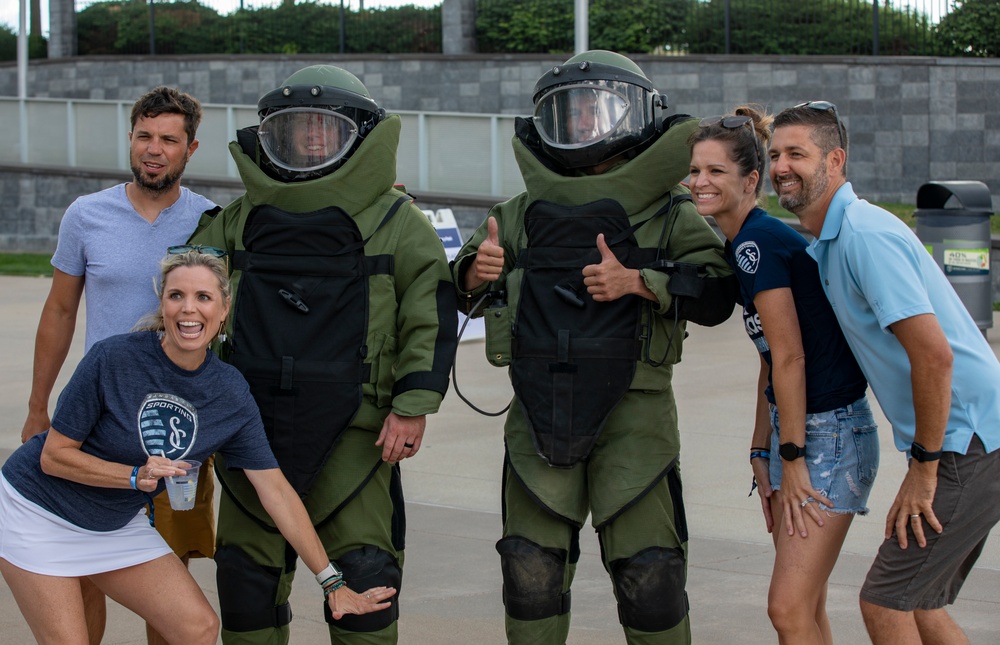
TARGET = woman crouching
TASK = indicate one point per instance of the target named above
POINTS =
(72, 499)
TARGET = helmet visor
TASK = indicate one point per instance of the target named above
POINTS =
(306, 139)
(576, 116)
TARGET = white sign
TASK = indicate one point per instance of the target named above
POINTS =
(966, 261)
(444, 223)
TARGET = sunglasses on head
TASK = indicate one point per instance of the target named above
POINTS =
(728, 122)
(215, 252)
(734, 122)
(826, 106)
(197, 248)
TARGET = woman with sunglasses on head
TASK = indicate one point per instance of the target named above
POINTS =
(72, 498)
(811, 393)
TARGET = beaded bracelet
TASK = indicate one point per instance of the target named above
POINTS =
(333, 586)
(756, 452)
(330, 579)
(131, 480)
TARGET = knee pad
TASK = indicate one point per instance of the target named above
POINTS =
(533, 579)
(363, 569)
(650, 589)
(247, 591)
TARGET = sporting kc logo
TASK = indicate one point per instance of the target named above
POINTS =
(167, 425)
(747, 257)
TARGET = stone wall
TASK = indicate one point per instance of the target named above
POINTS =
(35, 200)
(911, 120)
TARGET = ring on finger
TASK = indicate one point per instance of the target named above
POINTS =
(915, 516)
(804, 503)
(407, 445)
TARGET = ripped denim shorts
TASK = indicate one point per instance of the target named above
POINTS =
(841, 452)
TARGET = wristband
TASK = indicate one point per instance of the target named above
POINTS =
(763, 454)
(131, 480)
(921, 454)
(331, 571)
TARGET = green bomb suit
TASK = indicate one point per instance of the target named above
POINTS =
(402, 307)
(630, 481)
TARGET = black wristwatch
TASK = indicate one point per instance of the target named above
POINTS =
(790, 452)
(921, 454)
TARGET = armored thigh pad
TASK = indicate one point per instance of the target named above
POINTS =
(247, 591)
(650, 589)
(363, 569)
(533, 579)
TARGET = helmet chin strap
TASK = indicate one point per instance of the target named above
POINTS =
(659, 110)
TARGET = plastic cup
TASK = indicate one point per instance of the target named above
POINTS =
(181, 489)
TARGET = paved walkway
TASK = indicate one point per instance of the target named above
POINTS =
(452, 585)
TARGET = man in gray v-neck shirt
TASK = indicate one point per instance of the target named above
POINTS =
(110, 246)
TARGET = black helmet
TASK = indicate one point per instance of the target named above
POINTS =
(314, 122)
(595, 106)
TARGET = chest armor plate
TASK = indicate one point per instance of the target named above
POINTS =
(572, 358)
(299, 330)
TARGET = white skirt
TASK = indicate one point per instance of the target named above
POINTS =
(38, 541)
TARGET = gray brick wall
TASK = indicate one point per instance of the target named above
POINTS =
(911, 120)
(35, 200)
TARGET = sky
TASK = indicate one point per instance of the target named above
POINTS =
(9, 8)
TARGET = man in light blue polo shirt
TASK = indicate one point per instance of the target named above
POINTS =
(932, 371)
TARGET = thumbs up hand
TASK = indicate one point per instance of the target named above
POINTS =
(489, 258)
(610, 280)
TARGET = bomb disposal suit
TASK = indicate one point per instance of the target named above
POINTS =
(593, 427)
(342, 334)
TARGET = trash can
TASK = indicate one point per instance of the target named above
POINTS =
(953, 222)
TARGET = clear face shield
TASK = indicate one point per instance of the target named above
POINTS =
(306, 139)
(579, 115)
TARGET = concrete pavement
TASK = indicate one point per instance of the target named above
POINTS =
(451, 592)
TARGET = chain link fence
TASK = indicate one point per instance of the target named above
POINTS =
(668, 27)
(784, 27)
(256, 27)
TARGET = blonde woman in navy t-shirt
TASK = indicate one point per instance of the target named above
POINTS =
(72, 498)
(814, 452)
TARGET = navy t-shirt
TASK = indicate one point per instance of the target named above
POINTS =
(127, 400)
(769, 254)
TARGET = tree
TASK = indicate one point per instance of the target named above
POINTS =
(8, 43)
(637, 26)
(640, 26)
(971, 28)
(524, 26)
(314, 28)
(35, 15)
(37, 45)
(403, 29)
(106, 28)
(793, 27)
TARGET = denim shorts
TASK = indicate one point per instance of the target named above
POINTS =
(841, 453)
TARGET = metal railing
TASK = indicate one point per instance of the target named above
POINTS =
(802, 27)
(440, 152)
